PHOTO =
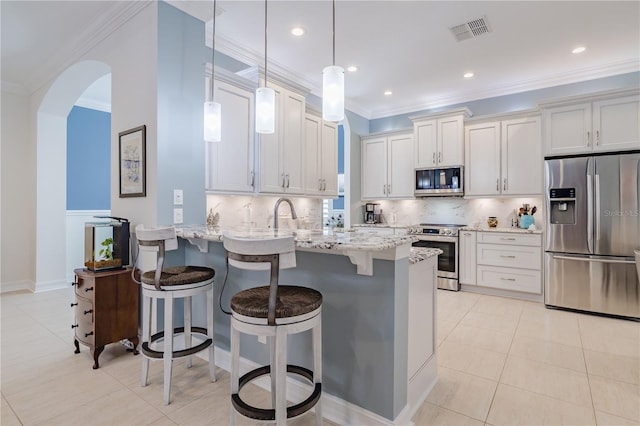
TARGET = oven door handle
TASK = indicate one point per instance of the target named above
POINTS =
(439, 239)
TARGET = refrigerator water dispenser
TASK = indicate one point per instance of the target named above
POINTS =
(563, 206)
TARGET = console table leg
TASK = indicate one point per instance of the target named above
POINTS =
(96, 354)
(75, 342)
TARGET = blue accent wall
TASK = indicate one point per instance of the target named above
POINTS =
(88, 159)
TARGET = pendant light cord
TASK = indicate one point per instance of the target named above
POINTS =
(334, 33)
(265, 43)
(213, 51)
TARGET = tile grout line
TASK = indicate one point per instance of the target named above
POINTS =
(586, 369)
(12, 410)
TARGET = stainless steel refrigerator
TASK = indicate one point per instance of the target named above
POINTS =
(592, 230)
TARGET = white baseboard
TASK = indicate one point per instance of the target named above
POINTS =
(17, 286)
(51, 285)
(502, 293)
(334, 409)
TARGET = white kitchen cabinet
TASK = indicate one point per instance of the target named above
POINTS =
(467, 257)
(387, 166)
(439, 139)
(282, 153)
(503, 158)
(321, 146)
(509, 261)
(598, 125)
(230, 162)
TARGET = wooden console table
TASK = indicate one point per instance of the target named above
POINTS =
(106, 309)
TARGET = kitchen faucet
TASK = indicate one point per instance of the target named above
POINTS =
(275, 211)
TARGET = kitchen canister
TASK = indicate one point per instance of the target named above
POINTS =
(526, 221)
(492, 221)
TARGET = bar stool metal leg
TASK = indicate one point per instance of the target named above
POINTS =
(210, 332)
(187, 326)
(168, 344)
(146, 334)
(281, 375)
(235, 359)
(317, 364)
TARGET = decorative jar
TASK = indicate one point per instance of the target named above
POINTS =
(492, 221)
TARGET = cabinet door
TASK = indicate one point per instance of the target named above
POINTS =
(567, 129)
(400, 172)
(293, 114)
(521, 157)
(230, 162)
(482, 161)
(616, 124)
(313, 154)
(426, 145)
(451, 141)
(329, 157)
(374, 168)
(272, 173)
(467, 257)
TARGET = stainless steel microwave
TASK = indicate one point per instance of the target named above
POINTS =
(439, 181)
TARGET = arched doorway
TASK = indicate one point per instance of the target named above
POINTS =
(51, 142)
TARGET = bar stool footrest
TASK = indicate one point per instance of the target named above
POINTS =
(270, 414)
(151, 353)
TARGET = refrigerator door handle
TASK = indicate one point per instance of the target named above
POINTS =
(596, 210)
(594, 259)
(589, 204)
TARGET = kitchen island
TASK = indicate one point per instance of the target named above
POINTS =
(378, 323)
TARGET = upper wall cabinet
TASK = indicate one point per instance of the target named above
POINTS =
(503, 158)
(439, 139)
(387, 166)
(599, 125)
(230, 163)
(321, 146)
(282, 153)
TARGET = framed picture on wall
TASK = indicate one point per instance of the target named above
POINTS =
(132, 162)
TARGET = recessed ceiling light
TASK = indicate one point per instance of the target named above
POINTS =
(352, 68)
(468, 75)
(297, 31)
(388, 93)
(579, 49)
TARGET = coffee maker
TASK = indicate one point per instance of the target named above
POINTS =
(372, 213)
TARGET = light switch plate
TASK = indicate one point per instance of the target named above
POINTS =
(177, 197)
(177, 216)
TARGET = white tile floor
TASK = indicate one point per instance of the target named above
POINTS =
(501, 362)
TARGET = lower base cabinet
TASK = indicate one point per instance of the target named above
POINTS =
(106, 310)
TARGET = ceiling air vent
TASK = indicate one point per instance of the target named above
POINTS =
(471, 29)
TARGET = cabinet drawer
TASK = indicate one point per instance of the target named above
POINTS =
(524, 280)
(510, 238)
(84, 287)
(511, 256)
(85, 329)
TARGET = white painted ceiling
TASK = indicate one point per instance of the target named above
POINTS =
(403, 46)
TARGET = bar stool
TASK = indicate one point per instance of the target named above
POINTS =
(168, 284)
(274, 311)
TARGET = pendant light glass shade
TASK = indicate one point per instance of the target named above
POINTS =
(212, 122)
(265, 110)
(333, 93)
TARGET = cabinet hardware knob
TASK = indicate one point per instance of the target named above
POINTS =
(507, 239)
(507, 279)
(74, 284)
(88, 289)
(508, 256)
(74, 326)
(287, 180)
(505, 184)
(498, 184)
(597, 137)
(440, 157)
(389, 189)
(434, 157)
(253, 178)
(588, 138)
(88, 312)
(74, 304)
(88, 334)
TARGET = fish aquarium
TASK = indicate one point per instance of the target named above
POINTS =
(106, 244)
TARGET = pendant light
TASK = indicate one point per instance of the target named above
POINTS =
(213, 110)
(333, 85)
(265, 96)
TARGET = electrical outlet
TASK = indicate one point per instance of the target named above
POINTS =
(177, 197)
(262, 339)
(177, 216)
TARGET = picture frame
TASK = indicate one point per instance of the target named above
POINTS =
(132, 162)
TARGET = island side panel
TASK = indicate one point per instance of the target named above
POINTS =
(364, 324)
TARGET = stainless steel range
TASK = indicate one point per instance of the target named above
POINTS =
(444, 237)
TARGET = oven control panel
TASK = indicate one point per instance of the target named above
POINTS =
(427, 230)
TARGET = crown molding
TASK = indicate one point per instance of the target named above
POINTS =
(98, 30)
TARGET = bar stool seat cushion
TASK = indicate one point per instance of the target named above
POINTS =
(292, 301)
(179, 275)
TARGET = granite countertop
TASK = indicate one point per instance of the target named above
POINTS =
(312, 239)
(418, 254)
(499, 229)
(379, 225)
